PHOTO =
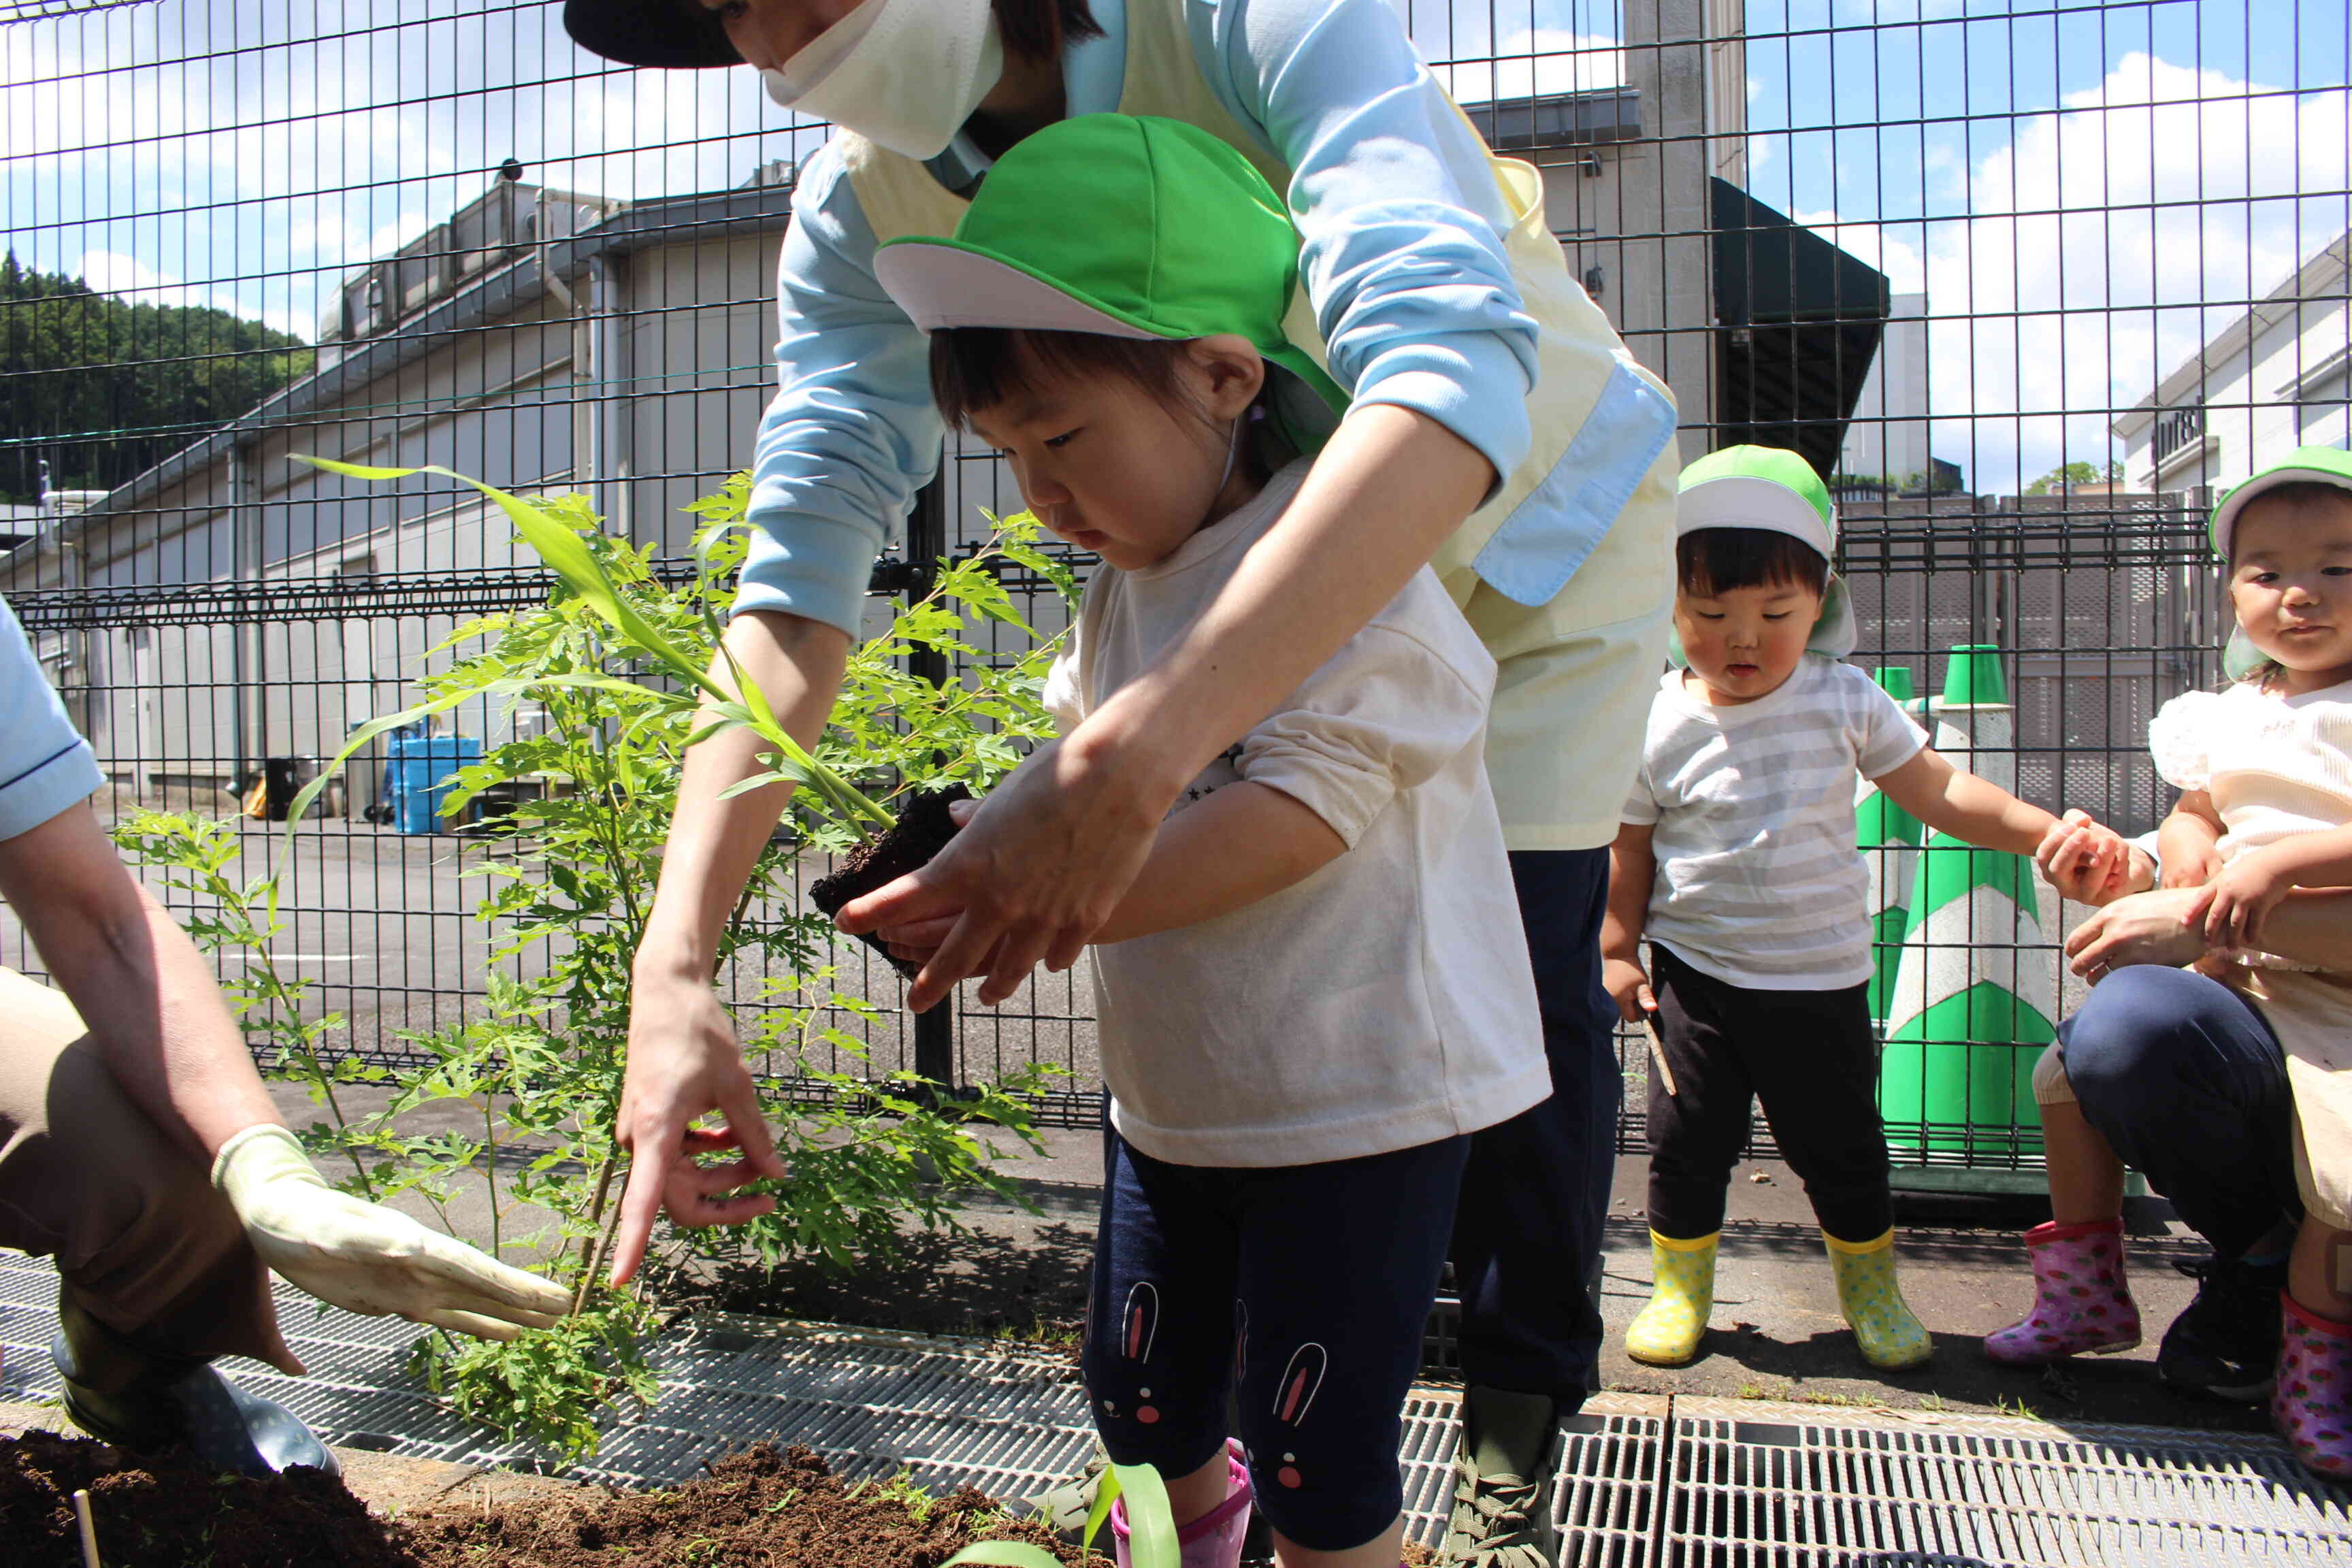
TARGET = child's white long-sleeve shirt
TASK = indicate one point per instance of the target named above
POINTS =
(1384, 1001)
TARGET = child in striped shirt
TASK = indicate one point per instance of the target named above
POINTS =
(1737, 857)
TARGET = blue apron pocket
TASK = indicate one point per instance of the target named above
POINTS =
(1548, 536)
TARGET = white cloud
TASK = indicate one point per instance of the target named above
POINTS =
(257, 179)
(2101, 247)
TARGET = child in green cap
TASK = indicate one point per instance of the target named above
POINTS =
(2229, 1084)
(1737, 858)
(1318, 986)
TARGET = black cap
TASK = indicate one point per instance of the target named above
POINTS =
(671, 34)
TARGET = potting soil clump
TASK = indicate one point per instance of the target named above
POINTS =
(923, 831)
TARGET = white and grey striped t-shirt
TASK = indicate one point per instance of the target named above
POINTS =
(1759, 883)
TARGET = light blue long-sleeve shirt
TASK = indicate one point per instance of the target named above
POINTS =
(44, 764)
(1401, 228)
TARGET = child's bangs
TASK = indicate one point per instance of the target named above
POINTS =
(1709, 561)
(974, 368)
(2302, 495)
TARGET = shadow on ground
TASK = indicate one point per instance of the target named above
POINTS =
(1029, 1285)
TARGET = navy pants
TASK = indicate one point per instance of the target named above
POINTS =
(2185, 1080)
(1307, 1287)
(1535, 1194)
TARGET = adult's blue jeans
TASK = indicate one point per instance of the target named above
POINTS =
(2186, 1081)
(1535, 1190)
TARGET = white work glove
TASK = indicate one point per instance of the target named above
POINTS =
(365, 1257)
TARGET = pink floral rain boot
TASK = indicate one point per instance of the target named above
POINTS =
(2313, 1402)
(1211, 1540)
(2080, 1301)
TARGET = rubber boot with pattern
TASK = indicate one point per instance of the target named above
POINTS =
(1667, 1331)
(1211, 1540)
(2081, 1302)
(2313, 1402)
(1891, 1337)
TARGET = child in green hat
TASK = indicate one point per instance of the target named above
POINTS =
(2229, 1084)
(1318, 986)
(1737, 860)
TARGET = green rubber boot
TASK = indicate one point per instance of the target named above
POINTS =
(1890, 1337)
(1667, 1331)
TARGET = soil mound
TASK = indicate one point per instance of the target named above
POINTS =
(763, 1508)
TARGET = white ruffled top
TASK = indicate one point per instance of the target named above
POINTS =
(2275, 766)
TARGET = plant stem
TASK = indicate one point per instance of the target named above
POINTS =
(592, 1246)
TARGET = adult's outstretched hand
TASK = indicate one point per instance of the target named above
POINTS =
(365, 1257)
(684, 1064)
(1030, 876)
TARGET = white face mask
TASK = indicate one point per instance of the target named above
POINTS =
(906, 74)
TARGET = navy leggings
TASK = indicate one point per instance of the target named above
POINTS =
(1308, 1286)
(2185, 1080)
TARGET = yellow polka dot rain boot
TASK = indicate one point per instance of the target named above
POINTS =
(1667, 1331)
(1891, 1337)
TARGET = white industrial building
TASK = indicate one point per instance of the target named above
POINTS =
(2276, 378)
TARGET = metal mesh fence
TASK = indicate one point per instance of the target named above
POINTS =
(2025, 278)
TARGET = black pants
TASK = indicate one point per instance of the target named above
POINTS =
(1811, 1057)
(1535, 1193)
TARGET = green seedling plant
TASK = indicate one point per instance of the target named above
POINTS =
(238, 917)
(616, 673)
(1150, 1526)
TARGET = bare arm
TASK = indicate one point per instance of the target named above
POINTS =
(1246, 842)
(2167, 927)
(1969, 807)
(154, 1006)
(2243, 896)
(1052, 851)
(1633, 867)
(684, 1061)
(2186, 840)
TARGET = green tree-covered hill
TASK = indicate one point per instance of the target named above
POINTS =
(105, 389)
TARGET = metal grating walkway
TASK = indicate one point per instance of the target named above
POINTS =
(1644, 1479)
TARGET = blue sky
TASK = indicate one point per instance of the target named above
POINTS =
(2083, 190)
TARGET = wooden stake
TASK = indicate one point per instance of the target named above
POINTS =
(89, 1530)
(1658, 1053)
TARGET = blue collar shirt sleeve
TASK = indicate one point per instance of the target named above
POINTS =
(46, 767)
(1402, 225)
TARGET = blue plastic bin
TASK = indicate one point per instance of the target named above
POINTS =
(420, 767)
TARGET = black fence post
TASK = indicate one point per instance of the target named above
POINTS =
(927, 545)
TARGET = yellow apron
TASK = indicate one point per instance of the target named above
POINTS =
(1579, 642)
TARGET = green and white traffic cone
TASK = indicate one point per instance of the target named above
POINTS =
(1889, 838)
(1965, 1021)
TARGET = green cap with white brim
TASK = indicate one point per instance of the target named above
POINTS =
(1773, 489)
(2305, 465)
(1129, 225)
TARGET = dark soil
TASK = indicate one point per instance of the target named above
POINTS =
(160, 1515)
(759, 1509)
(923, 831)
